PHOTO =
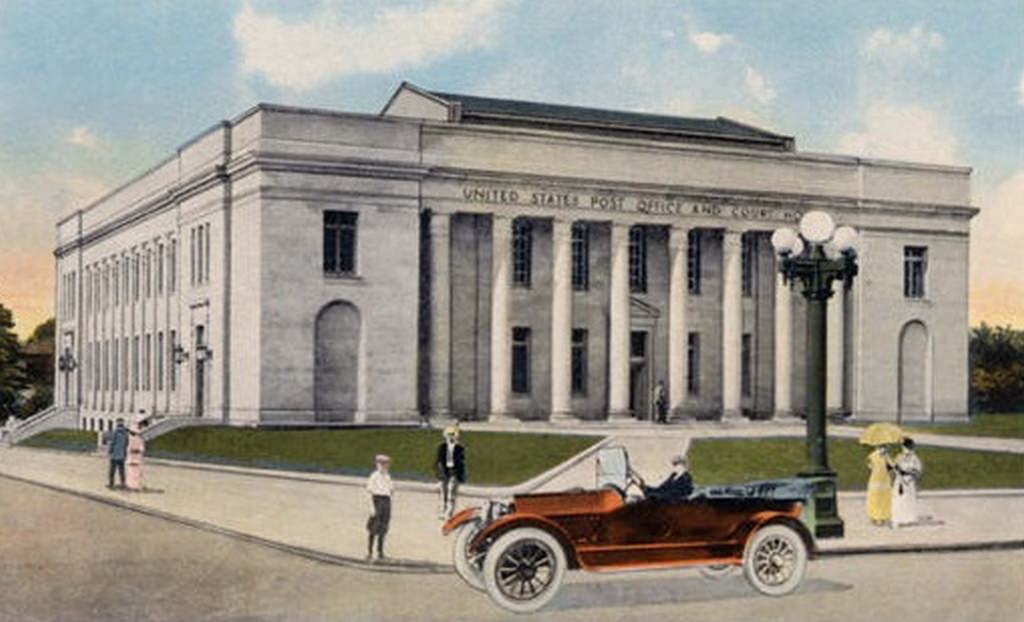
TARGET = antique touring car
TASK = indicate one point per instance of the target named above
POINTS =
(519, 551)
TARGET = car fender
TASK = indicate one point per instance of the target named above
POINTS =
(767, 517)
(462, 516)
(514, 521)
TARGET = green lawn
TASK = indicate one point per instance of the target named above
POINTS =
(722, 461)
(63, 439)
(493, 458)
(1003, 426)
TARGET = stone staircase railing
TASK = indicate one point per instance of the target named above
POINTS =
(47, 419)
(159, 426)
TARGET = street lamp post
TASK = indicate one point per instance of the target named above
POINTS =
(816, 256)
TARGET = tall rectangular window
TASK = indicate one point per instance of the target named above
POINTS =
(135, 363)
(746, 364)
(116, 290)
(147, 362)
(160, 361)
(148, 276)
(105, 298)
(693, 363)
(580, 257)
(693, 261)
(915, 267)
(88, 293)
(159, 269)
(104, 365)
(113, 364)
(206, 258)
(124, 363)
(172, 267)
(579, 361)
(522, 251)
(340, 230)
(638, 259)
(135, 276)
(192, 256)
(200, 253)
(172, 341)
(521, 359)
(748, 258)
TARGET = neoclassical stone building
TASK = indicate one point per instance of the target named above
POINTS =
(490, 258)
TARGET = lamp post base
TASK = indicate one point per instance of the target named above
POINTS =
(822, 512)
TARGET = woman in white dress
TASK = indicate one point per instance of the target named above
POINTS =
(907, 470)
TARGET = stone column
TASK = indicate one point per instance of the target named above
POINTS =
(783, 347)
(501, 354)
(561, 319)
(732, 323)
(440, 314)
(618, 329)
(677, 342)
(836, 351)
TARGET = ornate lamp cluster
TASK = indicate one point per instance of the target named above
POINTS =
(66, 361)
(819, 254)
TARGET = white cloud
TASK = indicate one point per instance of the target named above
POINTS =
(914, 43)
(709, 42)
(307, 53)
(1020, 89)
(902, 132)
(757, 86)
(82, 136)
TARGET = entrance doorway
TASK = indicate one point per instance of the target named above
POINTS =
(639, 374)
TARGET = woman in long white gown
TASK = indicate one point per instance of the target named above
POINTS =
(907, 470)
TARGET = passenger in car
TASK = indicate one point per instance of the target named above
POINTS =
(677, 487)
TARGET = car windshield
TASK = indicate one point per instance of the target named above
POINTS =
(612, 467)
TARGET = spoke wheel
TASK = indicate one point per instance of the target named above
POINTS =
(523, 569)
(775, 560)
(469, 566)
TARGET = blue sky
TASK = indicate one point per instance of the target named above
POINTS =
(92, 92)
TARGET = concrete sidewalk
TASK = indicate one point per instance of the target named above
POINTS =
(324, 517)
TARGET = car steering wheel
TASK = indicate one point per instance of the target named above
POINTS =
(635, 479)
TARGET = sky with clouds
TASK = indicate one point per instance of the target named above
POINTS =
(93, 92)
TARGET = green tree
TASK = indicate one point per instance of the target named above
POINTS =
(37, 356)
(13, 380)
(997, 369)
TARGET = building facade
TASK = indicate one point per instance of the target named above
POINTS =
(496, 259)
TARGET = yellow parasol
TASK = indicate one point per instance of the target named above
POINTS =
(881, 434)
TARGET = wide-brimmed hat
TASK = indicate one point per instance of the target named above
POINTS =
(452, 430)
(382, 458)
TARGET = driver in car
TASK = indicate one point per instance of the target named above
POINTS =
(678, 486)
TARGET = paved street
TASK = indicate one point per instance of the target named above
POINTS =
(70, 559)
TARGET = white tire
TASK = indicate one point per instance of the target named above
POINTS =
(523, 569)
(468, 567)
(775, 559)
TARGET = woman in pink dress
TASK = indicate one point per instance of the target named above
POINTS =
(133, 464)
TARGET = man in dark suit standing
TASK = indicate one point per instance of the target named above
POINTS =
(450, 466)
(117, 449)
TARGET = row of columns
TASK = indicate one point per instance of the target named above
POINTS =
(619, 320)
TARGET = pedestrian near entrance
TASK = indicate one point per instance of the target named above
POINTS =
(661, 402)
(136, 449)
(879, 498)
(117, 450)
(450, 467)
(907, 470)
(380, 488)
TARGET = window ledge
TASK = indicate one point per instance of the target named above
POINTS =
(342, 278)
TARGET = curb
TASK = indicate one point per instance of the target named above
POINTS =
(960, 547)
(392, 567)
